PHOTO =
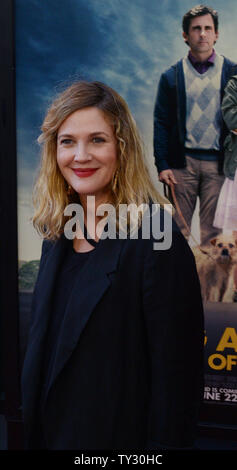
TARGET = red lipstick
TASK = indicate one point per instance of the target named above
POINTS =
(84, 172)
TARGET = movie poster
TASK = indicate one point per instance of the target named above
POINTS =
(127, 45)
(220, 354)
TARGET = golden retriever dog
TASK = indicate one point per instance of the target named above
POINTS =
(215, 267)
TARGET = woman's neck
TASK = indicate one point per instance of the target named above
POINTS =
(90, 204)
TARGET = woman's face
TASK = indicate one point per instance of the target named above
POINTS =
(87, 152)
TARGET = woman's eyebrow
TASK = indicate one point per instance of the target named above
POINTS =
(65, 135)
(91, 134)
(98, 132)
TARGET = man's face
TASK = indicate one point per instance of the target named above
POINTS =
(201, 36)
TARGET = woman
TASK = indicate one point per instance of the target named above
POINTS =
(114, 358)
(226, 210)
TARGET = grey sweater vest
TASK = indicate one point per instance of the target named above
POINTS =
(203, 115)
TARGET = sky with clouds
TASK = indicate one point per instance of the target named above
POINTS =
(124, 43)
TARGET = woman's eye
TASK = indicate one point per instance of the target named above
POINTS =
(98, 140)
(66, 141)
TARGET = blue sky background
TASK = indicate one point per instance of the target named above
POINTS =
(124, 43)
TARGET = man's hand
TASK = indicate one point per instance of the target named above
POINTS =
(167, 176)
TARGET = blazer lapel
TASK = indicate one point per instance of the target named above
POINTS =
(87, 292)
(44, 286)
(40, 316)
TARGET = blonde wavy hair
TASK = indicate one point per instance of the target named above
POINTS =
(133, 182)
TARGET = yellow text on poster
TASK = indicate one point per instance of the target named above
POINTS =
(219, 361)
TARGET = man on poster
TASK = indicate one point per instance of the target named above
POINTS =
(188, 127)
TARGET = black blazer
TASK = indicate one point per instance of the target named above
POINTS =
(128, 370)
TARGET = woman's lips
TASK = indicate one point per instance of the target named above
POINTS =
(84, 172)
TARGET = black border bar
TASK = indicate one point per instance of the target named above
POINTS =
(10, 405)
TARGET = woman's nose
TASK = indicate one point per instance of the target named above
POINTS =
(81, 152)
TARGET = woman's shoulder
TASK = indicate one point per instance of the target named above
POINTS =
(47, 245)
(158, 232)
(158, 225)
